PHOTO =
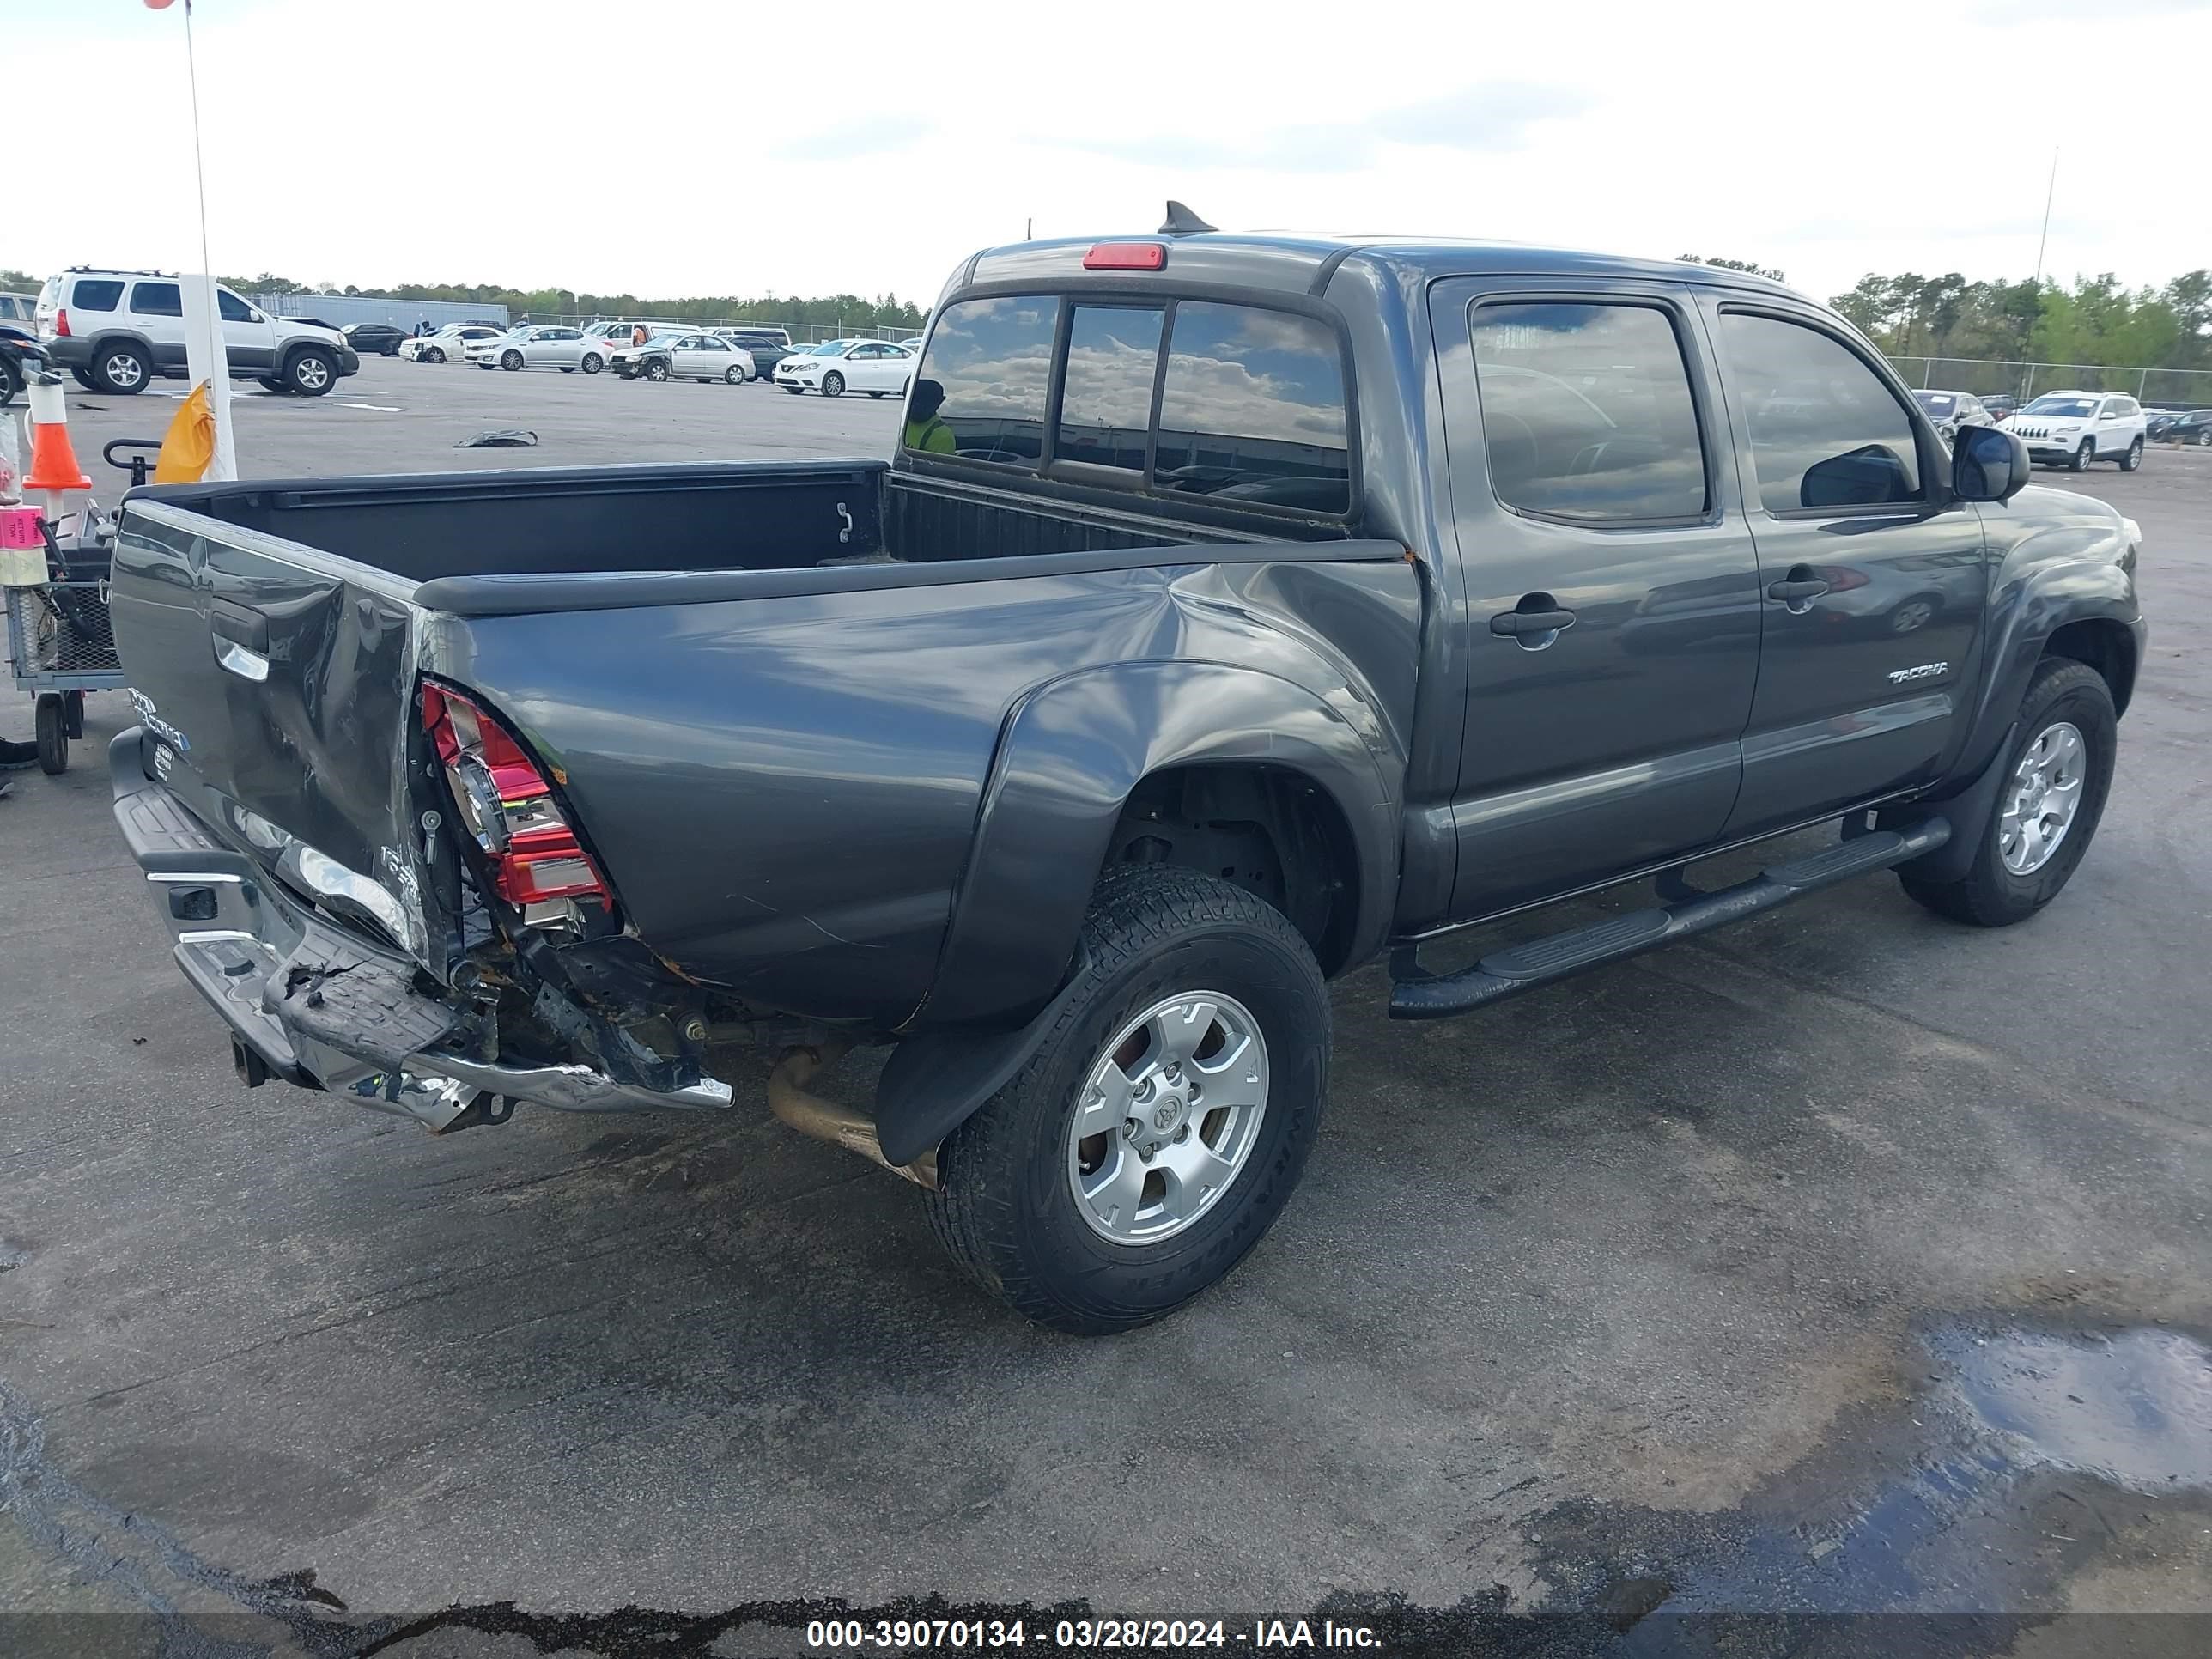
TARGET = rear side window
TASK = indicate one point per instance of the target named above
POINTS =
(96, 293)
(991, 361)
(1106, 403)
(1252, 409)
(1824, 430)
(157, 300)
(1586, 413)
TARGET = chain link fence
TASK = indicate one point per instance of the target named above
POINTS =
(801, 333)
(2177, 388)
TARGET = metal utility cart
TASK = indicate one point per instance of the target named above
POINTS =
(59, 645)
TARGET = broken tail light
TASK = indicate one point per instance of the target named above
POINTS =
(537, 864)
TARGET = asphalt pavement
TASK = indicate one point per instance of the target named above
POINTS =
(1845, 1261)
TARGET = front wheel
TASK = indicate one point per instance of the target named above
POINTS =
(656, 370)
(433, 355)
(2083, 456)
(310, 373)
(511, 362)
(1159, 1128)
(2056, 774)
(833, 384)
(11, 381)
(2133, 459)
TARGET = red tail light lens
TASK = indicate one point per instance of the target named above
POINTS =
(505, 802)
(61, 325)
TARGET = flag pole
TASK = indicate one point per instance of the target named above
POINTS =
(212, 363)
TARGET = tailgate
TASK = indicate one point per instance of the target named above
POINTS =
(276, 684)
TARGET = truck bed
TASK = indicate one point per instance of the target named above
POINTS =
(546, 521)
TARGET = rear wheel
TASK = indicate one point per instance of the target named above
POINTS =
(121, 370)
(52, 725)
(2056, 774)
(733, 375)
(833, 384)
(593, 363)
(271, 382)
(2083, 456)
(1159, 1129)
(2133, 459)
(11, 381)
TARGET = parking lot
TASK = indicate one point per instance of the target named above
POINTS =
(1842, 1262)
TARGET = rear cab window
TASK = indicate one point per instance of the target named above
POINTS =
(157, 300)
(1586, 412)
(1242, 404)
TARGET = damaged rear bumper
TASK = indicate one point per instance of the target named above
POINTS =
(321, 1005)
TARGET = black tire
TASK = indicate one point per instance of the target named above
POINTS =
(83, 378)
(879, 394)
(2080, 461)
(52, 724)
(1990, 895)
(796, 391)
(433, 355)
(833, 384)
(1004, 1208)
(11, 381)
(593, 363)
(733, 375)
(511, 362)
(2133, 459)
(657, 369)
(121, 370)
(567, 368)
(311, 372)
(2204, 438)
(271, 382)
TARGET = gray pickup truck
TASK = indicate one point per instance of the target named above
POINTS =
(1237, 609)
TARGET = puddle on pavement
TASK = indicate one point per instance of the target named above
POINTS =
(2027, 1457)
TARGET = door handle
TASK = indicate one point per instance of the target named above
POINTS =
(1518, 624)
(1799, 585)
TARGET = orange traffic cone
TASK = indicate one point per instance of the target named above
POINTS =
(53, 464)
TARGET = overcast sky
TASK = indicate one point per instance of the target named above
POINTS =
(693, 147)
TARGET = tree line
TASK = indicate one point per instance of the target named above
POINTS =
(2092, 320)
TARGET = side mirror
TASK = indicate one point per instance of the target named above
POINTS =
(1988, 464)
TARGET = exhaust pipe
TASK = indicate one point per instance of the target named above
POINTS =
(826, 1120)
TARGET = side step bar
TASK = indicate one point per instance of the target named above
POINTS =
(1521, 968)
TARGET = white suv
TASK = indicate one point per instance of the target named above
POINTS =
(116, 330)
(2077, 428)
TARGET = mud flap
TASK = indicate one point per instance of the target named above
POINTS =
(934, 1082)
(1970, 809)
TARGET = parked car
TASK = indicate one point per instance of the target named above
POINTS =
(21, 358)
(2194, 427)
(1071, 764)
(2078, 427)
(2000, 405)
(685, 358)
(837, 367)
(766, 347)
(541, 345)
(378, 339)
(21, 310)
(1952, 409)
(114, 330)
(450, 343)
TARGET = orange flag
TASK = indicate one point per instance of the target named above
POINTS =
(189, 444)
